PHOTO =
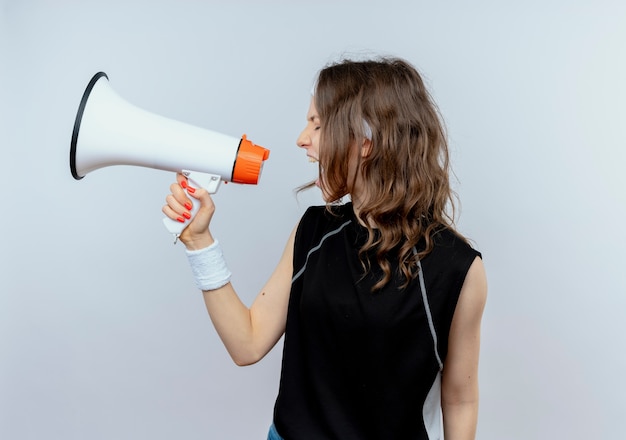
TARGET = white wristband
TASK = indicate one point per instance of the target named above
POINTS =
(209, 267)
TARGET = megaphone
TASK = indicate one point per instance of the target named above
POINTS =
(110, 131)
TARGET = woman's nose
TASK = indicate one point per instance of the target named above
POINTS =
(304, 140)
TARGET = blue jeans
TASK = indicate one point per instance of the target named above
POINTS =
(273, 434)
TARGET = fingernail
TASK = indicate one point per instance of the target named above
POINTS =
(191, 190)
(186, 215)
(183, 183)
(180, 219)
(188, 206)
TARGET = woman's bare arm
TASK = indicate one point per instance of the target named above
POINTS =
(248, 333)
(459, 395)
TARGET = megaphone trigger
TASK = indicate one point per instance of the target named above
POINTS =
(210, 182)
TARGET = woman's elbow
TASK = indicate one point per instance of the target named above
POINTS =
(246, 359)
(244, 362)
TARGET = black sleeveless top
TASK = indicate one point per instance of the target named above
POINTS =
(359, 365)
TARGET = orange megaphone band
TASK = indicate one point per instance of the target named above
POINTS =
(249, 162)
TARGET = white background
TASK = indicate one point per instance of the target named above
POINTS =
(104, 336)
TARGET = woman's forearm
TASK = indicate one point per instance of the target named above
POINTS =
(233, 323)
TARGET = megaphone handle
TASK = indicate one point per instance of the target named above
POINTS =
(210, 182)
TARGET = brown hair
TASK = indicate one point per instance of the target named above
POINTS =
(405, 184)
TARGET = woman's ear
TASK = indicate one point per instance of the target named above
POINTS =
(366, 148)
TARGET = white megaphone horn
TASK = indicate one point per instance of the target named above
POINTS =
(110, 131)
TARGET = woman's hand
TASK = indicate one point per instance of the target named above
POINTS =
(183, 197)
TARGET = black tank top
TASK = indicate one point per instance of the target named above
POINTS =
(359, 365)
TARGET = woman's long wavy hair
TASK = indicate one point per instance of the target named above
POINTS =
(404, 193)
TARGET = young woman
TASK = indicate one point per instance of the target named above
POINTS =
(380, 299)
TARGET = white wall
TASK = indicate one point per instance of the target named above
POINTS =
(102, 334)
